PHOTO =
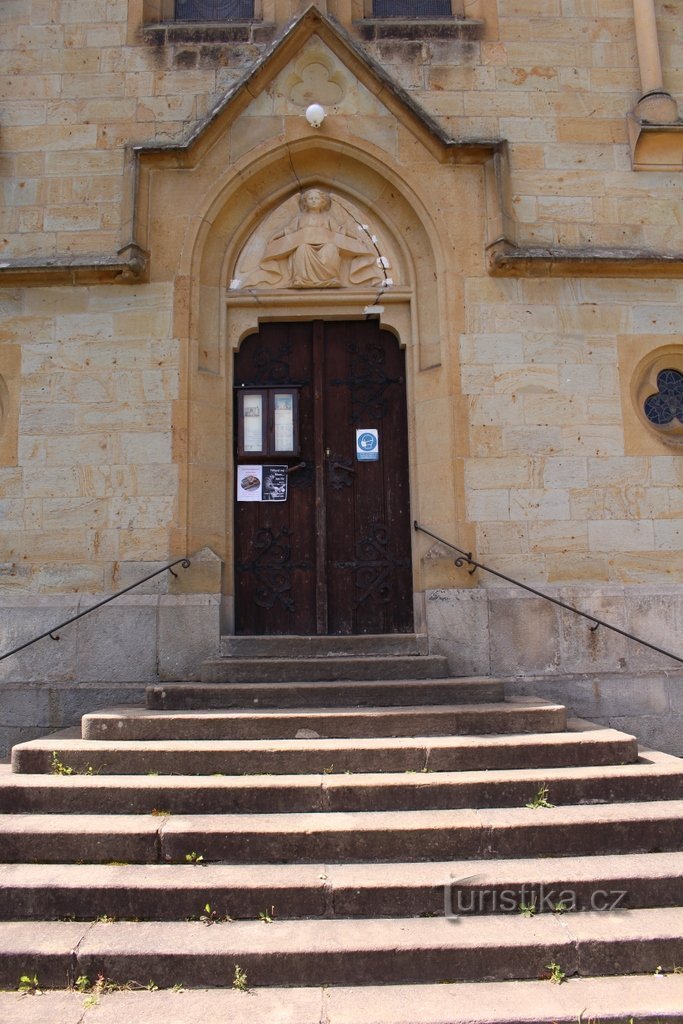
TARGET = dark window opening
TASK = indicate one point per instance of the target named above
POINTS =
(214, 10)
(411, 9)
(666, 405)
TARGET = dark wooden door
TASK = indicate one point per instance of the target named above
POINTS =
(335, 557)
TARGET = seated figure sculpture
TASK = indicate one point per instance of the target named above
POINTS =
(314, 250)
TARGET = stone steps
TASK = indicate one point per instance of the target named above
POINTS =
(649, 999)
(325, 756)
(517, 716)
(344, 693)
(229, 794)
(342, 836)
(168, 892)
(345, 952)
(360, 832)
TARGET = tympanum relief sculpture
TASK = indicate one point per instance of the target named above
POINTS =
(314, 240)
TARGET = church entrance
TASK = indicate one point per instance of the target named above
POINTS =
(322, 516)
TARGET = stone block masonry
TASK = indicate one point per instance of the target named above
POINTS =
(502, 131)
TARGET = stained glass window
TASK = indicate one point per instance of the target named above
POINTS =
(214, 10)
(666, 405)
(411, 8)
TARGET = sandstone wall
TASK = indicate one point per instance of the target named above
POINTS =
(554, 475)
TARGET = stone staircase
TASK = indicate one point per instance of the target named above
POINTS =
(351, 836)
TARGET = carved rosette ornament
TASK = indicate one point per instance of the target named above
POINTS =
(315, 240)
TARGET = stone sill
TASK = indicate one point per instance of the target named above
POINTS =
(170, 33)
(372, 29)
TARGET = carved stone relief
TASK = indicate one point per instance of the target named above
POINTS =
(316, 81)
(314, 240)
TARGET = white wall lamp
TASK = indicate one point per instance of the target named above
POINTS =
(315, 115)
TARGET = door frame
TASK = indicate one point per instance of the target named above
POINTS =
(243, 316)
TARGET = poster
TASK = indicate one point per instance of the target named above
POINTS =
(262, 483)
(274, 483)
(249, 483)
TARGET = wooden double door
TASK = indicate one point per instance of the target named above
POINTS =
(335, 556)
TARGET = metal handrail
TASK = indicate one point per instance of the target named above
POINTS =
(185, 562)
(465, 558)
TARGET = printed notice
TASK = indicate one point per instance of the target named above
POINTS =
(283, 414)
(252, 412)
(262, 483)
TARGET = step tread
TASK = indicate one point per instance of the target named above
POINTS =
(348, 660)
(343, 836)
(181, 939)
(320, 822)
(152, 783)
(382, 644)
(328, 755)
(257, 723)
(181, 892)
(359, 685)
(508, 871)
(332, 668)
(342, 692)
(377, 790)
(646, 998)
(513, 705)
(67, 741)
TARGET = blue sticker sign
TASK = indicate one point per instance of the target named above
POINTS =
(367, 445)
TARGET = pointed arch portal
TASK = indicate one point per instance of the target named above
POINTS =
(218, 217)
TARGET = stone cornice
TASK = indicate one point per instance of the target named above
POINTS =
(507, 260)
(127, 266)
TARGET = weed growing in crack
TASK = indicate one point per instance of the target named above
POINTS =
(540, 799)
(557, 975)
(29, 985)
(211, 916)
(239, 979)
(57, 767)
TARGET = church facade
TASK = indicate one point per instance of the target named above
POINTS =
(306, 293)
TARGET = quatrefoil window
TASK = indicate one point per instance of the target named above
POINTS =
(666, 405)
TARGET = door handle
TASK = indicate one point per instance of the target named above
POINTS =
(340, 465)
(293, 469)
